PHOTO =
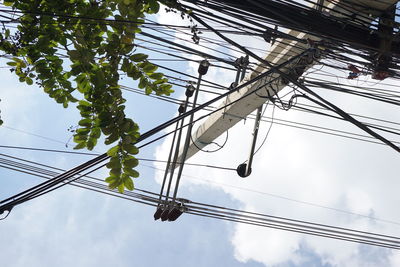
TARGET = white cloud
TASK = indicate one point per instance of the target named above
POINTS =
(264, 245)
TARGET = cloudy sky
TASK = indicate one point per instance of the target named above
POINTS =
(297, 174)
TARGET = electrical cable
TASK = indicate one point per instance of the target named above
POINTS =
(320, 100)
(259, 219)
(36, 190)
(211, 151)
(20, 167)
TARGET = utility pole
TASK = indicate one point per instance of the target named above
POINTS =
(219, 122)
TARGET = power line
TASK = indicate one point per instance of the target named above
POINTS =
(54, 183)
(235, 215)
(97, 154)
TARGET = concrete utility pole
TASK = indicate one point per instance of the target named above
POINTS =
(226, 118)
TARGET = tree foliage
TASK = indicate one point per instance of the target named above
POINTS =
(76, 51)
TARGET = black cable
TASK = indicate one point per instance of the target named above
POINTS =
(36, 190)
(261, 219)
(43, 171)
(321, 100)
(285, 123)
(377, 239)
(211, 151)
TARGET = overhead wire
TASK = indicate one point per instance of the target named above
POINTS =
(55, 182)
(317, 98)
(218, 214)
(14, 165)
(314, 128)
(224, 213)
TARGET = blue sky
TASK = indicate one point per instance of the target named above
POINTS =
(75, 227)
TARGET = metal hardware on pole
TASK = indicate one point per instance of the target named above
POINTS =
(244, 64)
(320, 5)
(162, 207)
(175, 209)
(244, 170)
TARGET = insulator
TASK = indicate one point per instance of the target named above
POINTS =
(241, 170)
(299, 70)
(203, 67)
(182, 108)
(317, 54)
(232, 86)
(380, 75)
(353, 68)
(174, 214)
(352, 75)
(267, 36)
(245, 61)
(164, 215)
(190, 90)
(157, 214)
(237, 62)
(309, 58)
(284, 81)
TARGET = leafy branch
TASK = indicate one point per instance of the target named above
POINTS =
(75, 50)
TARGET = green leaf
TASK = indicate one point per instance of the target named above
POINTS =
(29, 81)
(85, 122)
(154, 6)
(131, 172)
(84, 103)
(114, 184)
(111, 179)
(121, 188)
(107, 130)
(128, 183)
(112, 152)
(126, 126)
(96, 132)
(80, 145)
(150, 68)
(84, 86)
(115, 172)
(112, 138)
(79, 138)
(131, 149)
(138, 57)
(131, 163)
(127, 139)
(142, 83)
(8, 2)
(135, 127)
(166, 88)
(91, 143)
(156, 76)
(114, 163)
(148, 90)
(74, 55)
(98, 56)
(83, 131)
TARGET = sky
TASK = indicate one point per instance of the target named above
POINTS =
(297, 174)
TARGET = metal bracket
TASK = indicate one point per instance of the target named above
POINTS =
(244, 169)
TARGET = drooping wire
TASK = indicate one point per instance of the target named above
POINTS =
(252, 218)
